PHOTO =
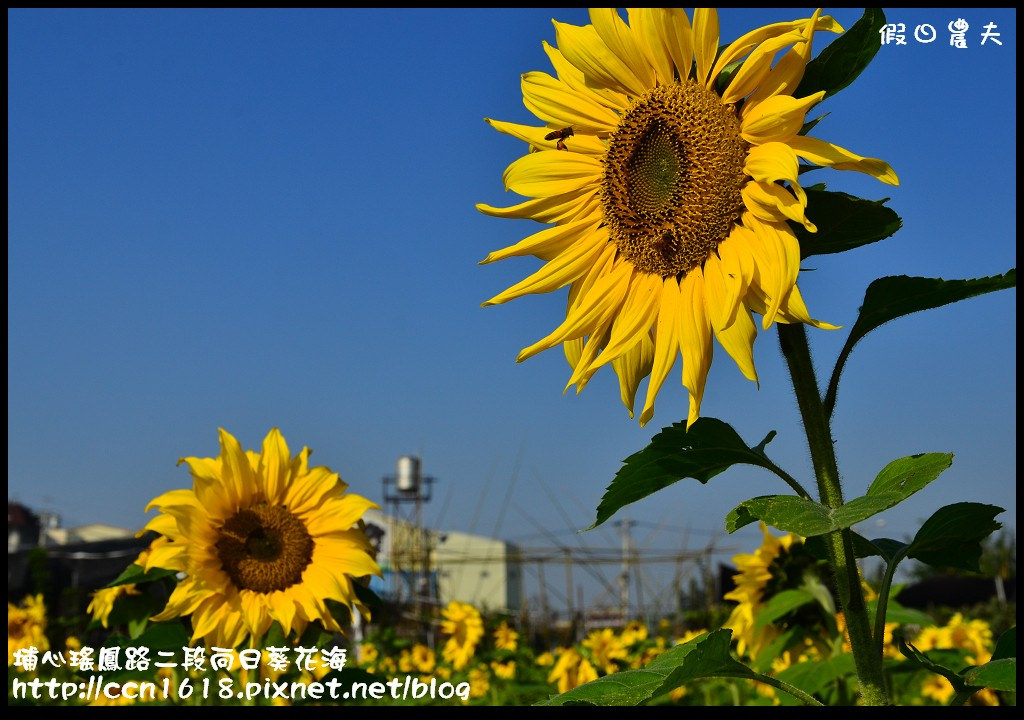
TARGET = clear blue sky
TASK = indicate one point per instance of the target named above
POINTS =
(265, 218)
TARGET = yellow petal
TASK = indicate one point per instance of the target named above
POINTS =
(554, 209)
(274, 469)
(552, 172)
(705, 42)
(574, 78)
(633, 366)
(756, 67)
(618, 37)
(777, 274)
(555, 102)
(548, 242)
(673, 28)
(599, 304)
(778, 118)
(646, 32)
(739, 47)
(584, 48)
(558, 272)
(826, 154)
(337, 514)
(723, 300)
(773, 203)
(535, 137)
(694, 339)
(584, 368)
(666, 344)
(785, 76)
(636, 317)
(738, 341)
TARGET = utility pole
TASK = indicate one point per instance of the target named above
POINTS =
(624, 527)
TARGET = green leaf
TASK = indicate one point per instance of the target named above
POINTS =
(137, 574)
(813, 676)
(367, 597)
(705, 656)
(916, 656)
(710, 447)
(891, 297)
(781, 604)
(844, 222)
(840, 63)
(163, 636)
(888, 548)
(862, 547)
(952, 536)
(997, 674)
(786, 512)
(896, 613)
(776, 647)
(1006, 646)
(898, 480)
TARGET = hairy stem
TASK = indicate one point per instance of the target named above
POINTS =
(793, 341)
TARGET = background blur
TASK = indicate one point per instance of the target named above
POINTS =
(265, 218)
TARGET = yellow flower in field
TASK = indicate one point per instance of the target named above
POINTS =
(423, 658)
(505, 637)
(690, 635)
(405, 661)
(504, 670)
(662, 178)
(605, 648)
(634, 632)
(479, 681)
(103, 600)
(571, 670)
(462, 622)
(545, 659)
(751, 582)
(260, 537)
(26, 626)
(937, 688)
(102, 603)
(368, 653)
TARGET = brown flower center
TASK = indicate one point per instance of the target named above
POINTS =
(264, 548)
(672, 178)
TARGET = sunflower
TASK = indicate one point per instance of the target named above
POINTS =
(663, 178)
(462, 622)
(605, 648)
(571, 670)
(505, 637)
(260, 537)
(755, 572)
(103, 600)
(26, 626)
(423, 658)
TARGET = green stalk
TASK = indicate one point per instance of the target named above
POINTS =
(793, 341)
(790, 689)
(883, 602)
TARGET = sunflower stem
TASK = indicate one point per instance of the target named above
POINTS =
(793, 341)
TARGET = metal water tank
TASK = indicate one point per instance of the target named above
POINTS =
(407, 479)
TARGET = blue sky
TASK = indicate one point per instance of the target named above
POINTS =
(265, 218)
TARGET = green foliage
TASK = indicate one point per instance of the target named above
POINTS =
(136, 574)
(704, 656)
(844, 222)
(891, 297)
(710, 447)
(898, 480)
(840, 63)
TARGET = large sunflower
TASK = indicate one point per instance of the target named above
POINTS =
(260, 537)
(670, 184)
